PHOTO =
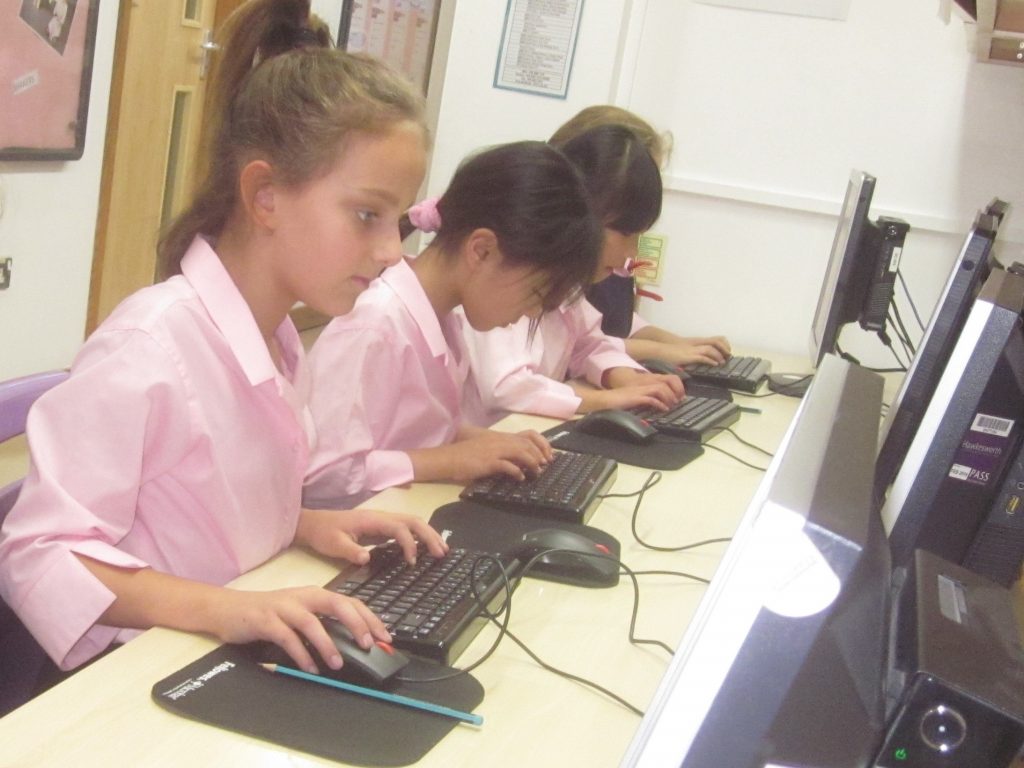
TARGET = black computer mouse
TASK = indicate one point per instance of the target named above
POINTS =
(568, 557)
(617, 425)
(375, 668)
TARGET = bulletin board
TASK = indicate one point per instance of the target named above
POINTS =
(46, 50)
(401, 32)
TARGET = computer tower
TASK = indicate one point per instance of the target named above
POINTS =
(969, 435)
(962, 663)
(891, 234)
(997, 551)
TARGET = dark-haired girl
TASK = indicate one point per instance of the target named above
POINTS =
(515, 237)
(570, 365)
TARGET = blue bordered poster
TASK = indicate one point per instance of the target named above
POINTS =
(538, 43)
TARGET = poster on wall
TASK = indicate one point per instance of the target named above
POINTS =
(401, 32)
(538, 43)
(46, 50)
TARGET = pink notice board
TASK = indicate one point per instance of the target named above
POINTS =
(46, 49)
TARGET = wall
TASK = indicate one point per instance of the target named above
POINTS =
(47, 227)
(770, 112)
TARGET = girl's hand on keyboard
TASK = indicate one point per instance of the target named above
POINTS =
(338, 533)
(286, 617)
(480, 453)
(713, 350)
(627, 387)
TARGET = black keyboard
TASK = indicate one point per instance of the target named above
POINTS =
(695, 418)
(568, 489)
(743, 374)
(429, 608)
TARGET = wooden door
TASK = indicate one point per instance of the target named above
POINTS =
(156, 107)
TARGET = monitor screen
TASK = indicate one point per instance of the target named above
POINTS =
(969, 433)
(836, 305)
(861, 275)
(970, 270)
(785, 658)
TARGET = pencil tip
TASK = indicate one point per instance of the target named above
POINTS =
(269, 667)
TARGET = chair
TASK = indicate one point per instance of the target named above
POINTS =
(21, 658)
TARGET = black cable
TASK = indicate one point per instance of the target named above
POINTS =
(683, 574)
(570, 676)
(505, 608)
(745, 442)
(734, 457)
(910, 299)
(905, 334)
(758, 448)
(652, 480)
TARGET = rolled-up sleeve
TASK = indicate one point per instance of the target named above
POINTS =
(87, 440)
(594, 352)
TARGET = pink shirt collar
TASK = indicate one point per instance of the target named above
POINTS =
(229, 311)
(403, 281)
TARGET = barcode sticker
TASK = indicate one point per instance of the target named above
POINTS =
(992, 425)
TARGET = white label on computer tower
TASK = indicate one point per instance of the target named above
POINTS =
(959, 472)
(894, 260)
(992, 425)
(952, 602)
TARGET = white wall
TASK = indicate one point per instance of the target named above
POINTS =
(770, 112)
(47, 227)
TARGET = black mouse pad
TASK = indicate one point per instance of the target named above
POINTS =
(663, 452)
(475, 526)
(227, 688)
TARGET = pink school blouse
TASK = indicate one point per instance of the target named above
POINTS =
(387, 377)
(512, 373)
(175, 444)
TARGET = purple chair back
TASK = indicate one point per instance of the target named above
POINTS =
(21, 659)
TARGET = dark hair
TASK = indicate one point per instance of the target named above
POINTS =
(535, 202)
(622, 178)
(658, 144)
(281, 93)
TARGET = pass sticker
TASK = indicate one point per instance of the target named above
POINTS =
(983, 449)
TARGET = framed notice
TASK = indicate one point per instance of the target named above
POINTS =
(401, 32)
(538, 43)
(46, 50)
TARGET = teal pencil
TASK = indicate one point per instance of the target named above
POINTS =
(394, 698)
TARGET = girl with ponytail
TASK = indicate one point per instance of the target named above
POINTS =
(172, 459)
(514, 238)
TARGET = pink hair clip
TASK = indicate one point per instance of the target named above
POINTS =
(425, 216)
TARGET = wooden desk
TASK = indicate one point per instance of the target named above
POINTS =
(104, 716)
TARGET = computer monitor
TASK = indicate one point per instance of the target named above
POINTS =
(968, 439)
(969, 271)
(860, 278)
(785, 659)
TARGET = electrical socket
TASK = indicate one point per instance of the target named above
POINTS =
(6, 263)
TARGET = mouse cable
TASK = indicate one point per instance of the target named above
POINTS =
(652, 480)
(505, 608)
(747, 443)
(570, 676)
(682, 574)
(734, 457)
(503, 631)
